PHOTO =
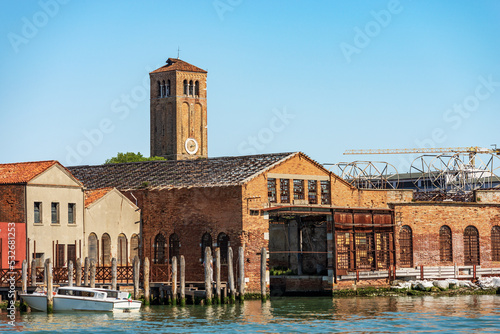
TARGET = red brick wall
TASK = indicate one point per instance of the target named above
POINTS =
(12, 203)
(190, 213)
(425, 220)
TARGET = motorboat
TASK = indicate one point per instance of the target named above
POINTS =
(83, 299)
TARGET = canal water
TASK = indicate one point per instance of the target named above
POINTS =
(461, 314)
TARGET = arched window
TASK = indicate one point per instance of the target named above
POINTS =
(122, 250)
(191, 88)
(405, 247)
(206, 241)
(197, 88)
(185, 87)
(471, 246)
(168, 88)
(93, 247)
(495, 243)
(163, 89)
(106, 250)
(223, 244)
(160, 89)
(159, 249)
(445, 244)
(174, 246)
(134, 247)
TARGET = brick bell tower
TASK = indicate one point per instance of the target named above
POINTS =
(178, 111)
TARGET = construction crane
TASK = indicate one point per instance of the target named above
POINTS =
(470, 150)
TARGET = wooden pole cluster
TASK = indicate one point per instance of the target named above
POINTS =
(263, 267)
(92, 273)
(183, 281)
(50, 296)
(78, 272)
(136, 268)
(174, 280)
(24, 277)
(33, 273)
(241, 278)
(70, 273)
(217, 276)
(208, 276)
(86, 272)
(114, 273)
(146, 281)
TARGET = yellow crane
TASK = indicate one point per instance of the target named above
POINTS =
(471, 150)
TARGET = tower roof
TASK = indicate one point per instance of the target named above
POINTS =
(175, 64)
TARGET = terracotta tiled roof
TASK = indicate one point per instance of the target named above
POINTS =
(23, 172)
(212, 172)
(174, 64)
(93, 195)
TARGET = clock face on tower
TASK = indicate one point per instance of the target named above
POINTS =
(191, 146)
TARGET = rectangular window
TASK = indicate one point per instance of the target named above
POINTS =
(298, 189)
(71, 213)
(72, 254)
(38, 213)
(284, 190)
(325, 192)
(271, 190)
(60, 255)
(312, 191)
(55, 213)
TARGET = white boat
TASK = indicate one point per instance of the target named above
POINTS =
(83, 299)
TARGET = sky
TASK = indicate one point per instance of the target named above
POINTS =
(319, 77)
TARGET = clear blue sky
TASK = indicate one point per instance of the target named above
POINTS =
(352, 75)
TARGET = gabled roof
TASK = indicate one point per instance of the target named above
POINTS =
(174, 64)
(95, 194)
(23, 172)
(211, 172)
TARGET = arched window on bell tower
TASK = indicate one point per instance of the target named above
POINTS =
(191, 88)
(163, 89)
(197, 88)
(168, 88)
(159, 88)
(185, 87)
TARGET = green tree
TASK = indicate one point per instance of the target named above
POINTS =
(130, 157)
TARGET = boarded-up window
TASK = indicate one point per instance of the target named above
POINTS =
(174, 246)
(60, 255)
(134, 247)
(298, 189)
(312, 191)
(471, 246)
(223, 244)
(271, 190)
(122, 250)
(206, 241)
(325, 192)
(445, 244)
(495, 243)
(159, 249)
(72, 254)
(106, 250)
(284, 190)
(405, 247)
(93, 247)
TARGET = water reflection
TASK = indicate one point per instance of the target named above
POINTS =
(378, 314)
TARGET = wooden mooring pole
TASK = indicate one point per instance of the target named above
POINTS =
(217, 276)
(146, 281)
(230, 275)
(208, 276)
(114, 273)
(92, 273)
(241, 273)
(78, 272)
(50, 296)
(24, 277)
(174, 280)
(136, 272)
(86, 272)
(183, 281)
(263, 267)
(33, 273)
(70, 273)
